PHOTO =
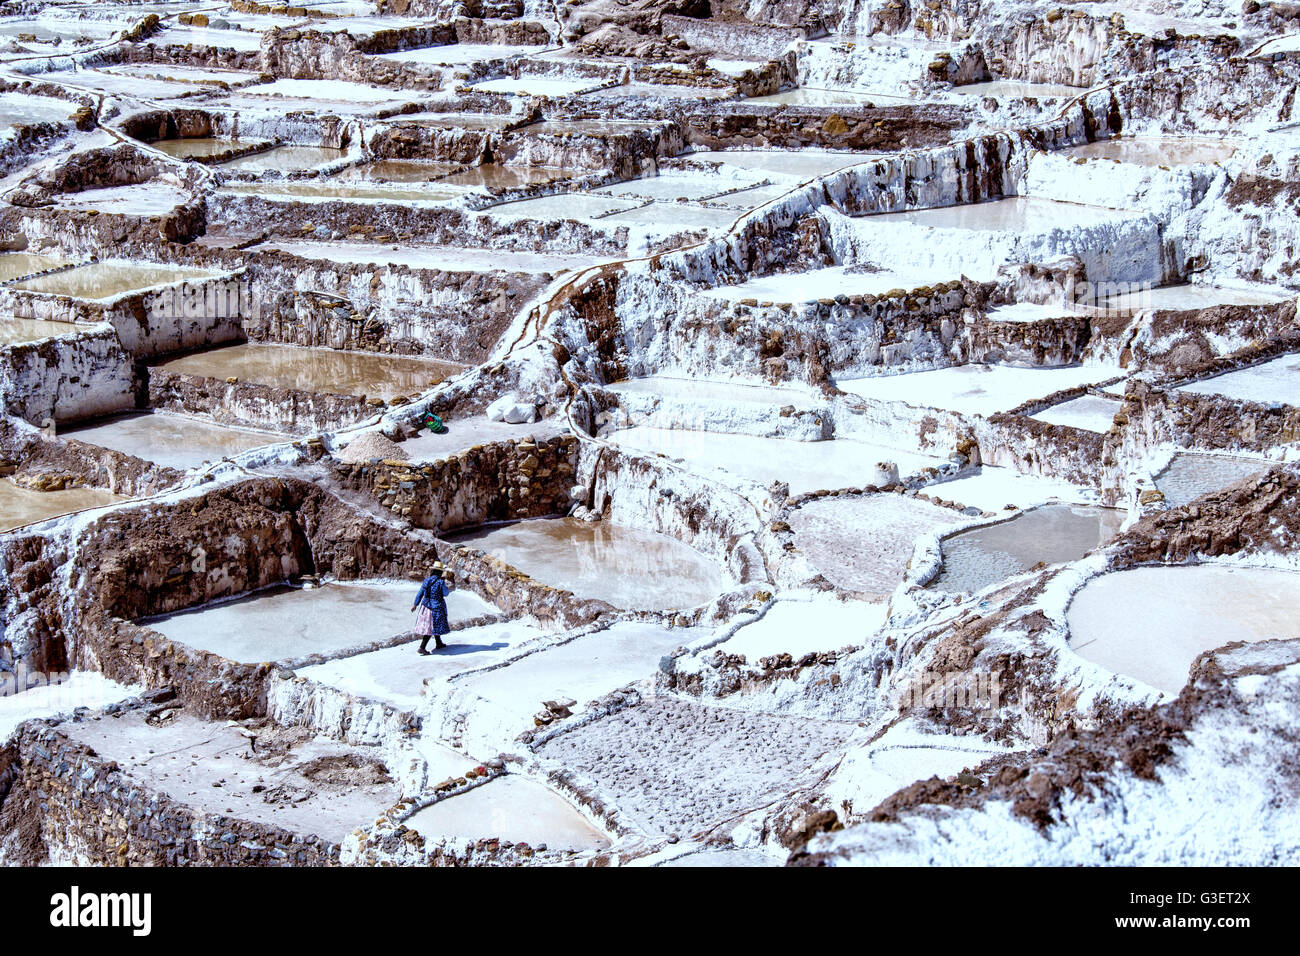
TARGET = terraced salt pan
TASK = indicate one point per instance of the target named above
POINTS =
(180, 73)
(101, 281)
(80, 689)
(1022, 214)
(1274, 381)
(1156, 150)
(482, 121)
(509, 808)
(798, 626)
(1092, 413)
(447, 258)
(202, 147)
(667, 186)
(16, 264)
(464, 433)
(1190, 475)
(992, 489)
(806, 466)
(812, 96)
(317, 370)
(117, 84)
(396, 171)
(749, 198)
(313, 789)
(141, 199)
(535, 86)
(580, 670)
(284, 159)
(25, 109)
(674, 217)
(173, 441)
(1151, 623)
(328, 91)
(245, 41)
(494, 176)
(1015, 89)
(1027, 312)
(21, 506)
(14, 331)
(977, 389)
(455, 53)
(730, 858)
(659, 91)
(627, 567)
(422, 194)
(801, 164)
(1187, 296)
(567, 206)
(865, 543)
(711, 390)
(1051, 534)
(396, 675)
(284, 623)
(815, 284)
(675, 767)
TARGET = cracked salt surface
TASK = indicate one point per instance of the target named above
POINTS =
(677, 767)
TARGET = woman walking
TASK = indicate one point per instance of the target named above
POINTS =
(432, 605)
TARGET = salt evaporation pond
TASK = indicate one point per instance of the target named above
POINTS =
(203, 147)
(1024, 214)
(977, 389)
(801, 163)
(812, 96)
(627, 567)
(1182, 297)
(1269, 382)
(16, 264)
(1156, 150)
(1017, 89)
(285, 159)
(806, 466)
(1191, 475)
(494, 176)
(100, 281)
(23, 109)
(1091, 413)
(1051, 534)
(21, 506)
(339, 191)
(446, 258)
(1151, 623)
(286, 623)
(510, 808)
(173, 441)
(397, 171)
(16, 331)
(332, 371)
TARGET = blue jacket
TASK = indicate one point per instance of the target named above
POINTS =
(433, 591)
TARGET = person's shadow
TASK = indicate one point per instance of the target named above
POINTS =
(455, 650)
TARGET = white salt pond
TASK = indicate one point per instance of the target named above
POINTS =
(799, 626)
(285, 623)
(977, 389)
(1183, 297)
(25, 109)
(174, 441)
(992, 488)
(417, 194)
(1017, 89)
(711, 390)
(1151, 623)
(1190, 475)
(1274, 381)
(1051, 534)
(101, 281)
(567, 206)
(802, 164)
(396, 675)
(627, 567)
(327, 92)
(1021, 214)
(332, 371)
(509, 808)
(446, 258)
(806, 466)
(815, 284)
(456, 53)
(812, 96)
(866, 543)
(284, 159)
(69, 692)
(1092, 413)
(1156, 150)
(397, 171)
(16, 331)
(536, 85)
(21, 506)
(152, 198)
(667, 186)
(674, 217)
(497, 177)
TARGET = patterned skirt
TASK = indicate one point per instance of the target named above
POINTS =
(431, 621)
